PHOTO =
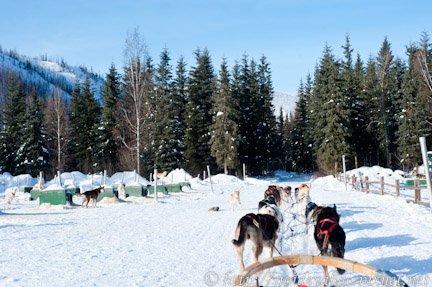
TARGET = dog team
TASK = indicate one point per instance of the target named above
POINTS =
(262, 228)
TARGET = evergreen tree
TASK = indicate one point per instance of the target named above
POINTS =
(224, 131)
(331, 133)
(168, 118)
(372, 114)
(242, 91)
(298, 134)
(197, 138)
(32, 156)
(388, 90)
(13, 121)
(84, 118)
(409, 118)
(266, 134)
(180, 99)
(107, 148)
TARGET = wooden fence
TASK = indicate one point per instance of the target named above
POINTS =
(363, 184)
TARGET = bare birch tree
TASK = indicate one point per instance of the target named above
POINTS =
(135, 85)
(57, 126)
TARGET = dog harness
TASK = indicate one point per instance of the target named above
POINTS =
(326, 226)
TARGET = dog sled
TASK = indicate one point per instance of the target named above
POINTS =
(247, 278)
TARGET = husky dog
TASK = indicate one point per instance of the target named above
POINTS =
(329, 235)
(286, 193)
(260, 229)
(122, 191)
(274, 191)
(302, 198)
(91, 195)
(234, 199)
(10, 194)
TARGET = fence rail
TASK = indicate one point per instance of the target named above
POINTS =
(363, 184)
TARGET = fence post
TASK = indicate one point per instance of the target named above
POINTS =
(354, 182)
(367, 184)
(397, 188)
(382, 184)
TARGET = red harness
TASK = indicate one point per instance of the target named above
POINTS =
(326, 229)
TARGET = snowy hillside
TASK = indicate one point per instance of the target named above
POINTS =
(178, 242)
(46, 74)
(286, 101)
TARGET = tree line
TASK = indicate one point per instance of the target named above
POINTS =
(372, 112)
(151, 116)
(166, 116)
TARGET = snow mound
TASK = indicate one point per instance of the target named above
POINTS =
(225, 179)
(127, 178)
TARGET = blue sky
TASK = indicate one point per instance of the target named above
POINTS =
(290, 33)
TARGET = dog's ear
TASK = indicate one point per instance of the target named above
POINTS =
(334, 207)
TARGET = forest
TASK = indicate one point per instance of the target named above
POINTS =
(164, 114)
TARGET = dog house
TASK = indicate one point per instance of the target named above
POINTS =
(54, 197)
(135, 190)
(160, 188)
(173, 187)
(25, 189)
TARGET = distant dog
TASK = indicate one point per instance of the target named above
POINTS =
(260, 229)
(273, 191)
(302, 198)
(234, 199)
(161, 174)
(122, 191)
(10, 194)
(91, 195)
(329, 235)
(38, 186)
(286, 193)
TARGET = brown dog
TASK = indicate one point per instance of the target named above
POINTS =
(261, 230)
(274, 191)
(91, 195)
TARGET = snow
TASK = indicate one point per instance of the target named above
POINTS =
(176, 241)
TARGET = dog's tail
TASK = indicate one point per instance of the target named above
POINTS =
(240, 232)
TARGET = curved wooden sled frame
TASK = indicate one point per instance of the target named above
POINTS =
(384, 277)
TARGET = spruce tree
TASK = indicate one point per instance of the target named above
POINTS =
(242, 91)
(107, 147)
(180, 99)
(168, 118)
(199, 119)
(32, 156)
(298, 134)
(372, 115)
(410, 118)
(267, 138)
(224, 139)
(388, 88)
(331, 133)
(76, 146)
(13, 122)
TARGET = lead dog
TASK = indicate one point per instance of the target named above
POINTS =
(91, 195)
(260, 229)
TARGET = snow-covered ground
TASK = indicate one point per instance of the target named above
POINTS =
(178, 242)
